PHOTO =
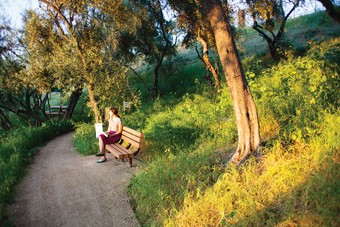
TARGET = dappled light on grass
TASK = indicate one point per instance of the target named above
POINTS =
(282, 187)
(292, 185)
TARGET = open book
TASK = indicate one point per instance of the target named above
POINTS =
(99, 130)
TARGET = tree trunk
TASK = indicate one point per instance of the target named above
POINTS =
(273, 40)
(241, 16)
(331, 9)
(207, 61)
(72, 103)
(244, 106)
(155, 80)
(156, 71)
(5, 123)
(93, 104)
(33, 108)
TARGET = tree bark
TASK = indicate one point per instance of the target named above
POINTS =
(207, 61)
(331, 9)
(72, 103)
(93, 104)
(241, 15)
(244, 105)
(5, 123)
(156, 71)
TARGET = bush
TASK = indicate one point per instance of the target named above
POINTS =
(293, 92)
(292, 185)
(181, 128)
(85, 140)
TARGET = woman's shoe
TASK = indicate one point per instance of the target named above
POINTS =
(99, 154)
(101, 160)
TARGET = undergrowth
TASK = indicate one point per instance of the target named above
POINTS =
(298, 114)
(293, 185)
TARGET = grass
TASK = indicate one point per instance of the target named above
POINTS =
(288, 186)
(85, 140)
(278, 196)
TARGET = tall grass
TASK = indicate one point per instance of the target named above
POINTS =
(163, 185)
(293, 185)
(287, 185)
(17, 149)
(84, 140)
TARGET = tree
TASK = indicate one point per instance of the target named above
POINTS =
(267, 16)
(243, 103)
(23, 101)
(331, 9)
(154, 39)
(196, 27)
(84, 45)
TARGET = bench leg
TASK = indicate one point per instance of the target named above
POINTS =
(130, 161)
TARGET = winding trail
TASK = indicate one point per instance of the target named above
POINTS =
(64, 188)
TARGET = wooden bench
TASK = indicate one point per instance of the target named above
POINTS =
(56, 110)
(129, 145)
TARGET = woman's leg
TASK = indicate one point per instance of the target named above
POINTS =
(102, 144)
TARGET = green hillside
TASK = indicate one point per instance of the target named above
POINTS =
(181, 74)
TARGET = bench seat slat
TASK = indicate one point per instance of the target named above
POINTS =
(118, 151)
(114, 152)
(122, 149)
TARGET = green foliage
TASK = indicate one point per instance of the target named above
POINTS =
(293, 182)
(295, 90)
(163, 185)
(16, 150)
(292, 185)
(85, 140)
(180, 77)
(196, 118)
(298, 110)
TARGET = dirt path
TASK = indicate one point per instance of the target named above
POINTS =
(63, 188)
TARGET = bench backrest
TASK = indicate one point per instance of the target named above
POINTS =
(133, 137)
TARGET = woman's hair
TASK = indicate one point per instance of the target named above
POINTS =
(115, 111)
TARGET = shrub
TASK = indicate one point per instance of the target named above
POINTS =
(85, 140)
(291, 180)
(184, 126)
(293, 92)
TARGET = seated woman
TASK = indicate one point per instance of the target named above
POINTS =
(112, 135)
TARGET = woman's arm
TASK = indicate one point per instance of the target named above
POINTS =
(109, 127)
(120, 130)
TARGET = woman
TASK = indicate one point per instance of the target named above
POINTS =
(112, 135)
